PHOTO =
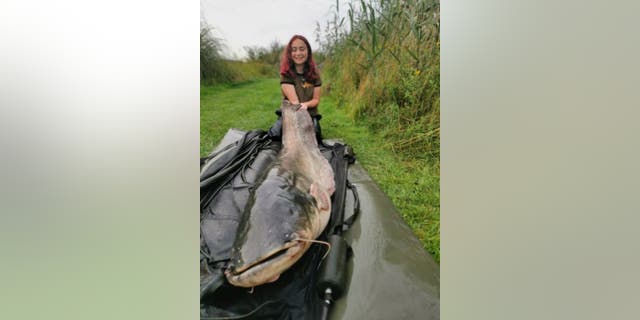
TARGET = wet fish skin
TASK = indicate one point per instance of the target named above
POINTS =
(290, 205)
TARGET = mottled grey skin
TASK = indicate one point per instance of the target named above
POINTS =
(293, 202)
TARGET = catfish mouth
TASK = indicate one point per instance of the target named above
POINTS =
(269, 259)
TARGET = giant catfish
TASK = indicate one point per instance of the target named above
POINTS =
(288, 209)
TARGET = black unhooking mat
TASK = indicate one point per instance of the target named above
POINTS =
(226, 180)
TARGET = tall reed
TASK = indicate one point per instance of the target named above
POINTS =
(386, 70)
(213, 68)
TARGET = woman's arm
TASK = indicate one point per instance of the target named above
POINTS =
(314, 102)
(289, 92)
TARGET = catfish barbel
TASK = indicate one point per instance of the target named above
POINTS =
(288, 209)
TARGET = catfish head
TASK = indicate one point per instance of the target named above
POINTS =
(280, 215)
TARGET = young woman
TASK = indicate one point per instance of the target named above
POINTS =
(299, 77)
(299, 81)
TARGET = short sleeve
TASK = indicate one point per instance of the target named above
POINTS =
(318, 82)
(286, 79)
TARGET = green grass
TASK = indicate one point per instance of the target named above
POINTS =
(412, 184)
(248, 105)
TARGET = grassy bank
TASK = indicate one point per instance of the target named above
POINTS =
(412, 184)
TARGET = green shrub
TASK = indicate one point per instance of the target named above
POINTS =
(213, 68)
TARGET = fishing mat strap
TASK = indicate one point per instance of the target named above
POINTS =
(356, 206)
(342, 156)
(340, 167)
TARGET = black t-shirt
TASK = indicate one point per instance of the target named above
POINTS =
(303, 87)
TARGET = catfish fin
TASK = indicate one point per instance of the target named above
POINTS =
(322, 199)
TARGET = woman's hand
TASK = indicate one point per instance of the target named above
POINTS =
(303, 106)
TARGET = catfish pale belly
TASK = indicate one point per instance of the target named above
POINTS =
(289, 207)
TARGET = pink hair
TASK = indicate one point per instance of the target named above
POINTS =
(287, 67)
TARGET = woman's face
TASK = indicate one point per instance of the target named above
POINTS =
(299, 52)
